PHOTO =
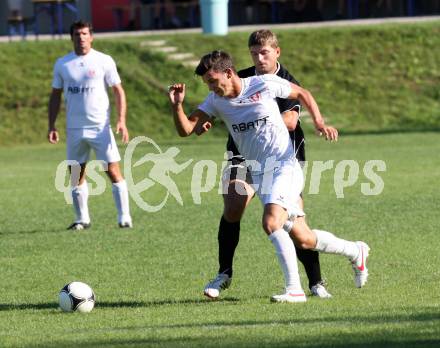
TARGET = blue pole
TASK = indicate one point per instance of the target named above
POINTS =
(214, 16)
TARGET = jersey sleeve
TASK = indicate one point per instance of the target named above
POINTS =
(208, 106)
(288, 104)
(111, 73)
(57, 81)
(278, 87)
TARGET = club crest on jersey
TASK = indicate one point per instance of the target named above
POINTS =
(91, 73)
(255, 97)
(252, 99)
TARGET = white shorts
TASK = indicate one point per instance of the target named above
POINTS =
(80, 141)
(282, 186)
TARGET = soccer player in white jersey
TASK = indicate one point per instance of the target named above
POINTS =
(84, 76)
(250, 112)
(265, 53)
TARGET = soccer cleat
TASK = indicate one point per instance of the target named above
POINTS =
(359, 265)
(319, 290)
(213, 288)
(78, 226)
(289, 297)
(126, 224)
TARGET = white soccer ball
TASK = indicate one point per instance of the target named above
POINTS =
(77, 296)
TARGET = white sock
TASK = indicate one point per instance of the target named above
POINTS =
(120, 195)
(287, 259)
(80, 196)
(327, 242)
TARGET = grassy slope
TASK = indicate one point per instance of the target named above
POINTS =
(365, 79)
(148, 280)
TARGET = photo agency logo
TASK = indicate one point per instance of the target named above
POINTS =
(148, 169)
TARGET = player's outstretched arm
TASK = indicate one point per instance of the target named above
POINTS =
(185, 125)
(121, 107)
(307, 99)
(54, 109)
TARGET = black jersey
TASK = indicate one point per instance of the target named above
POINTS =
(297, 136)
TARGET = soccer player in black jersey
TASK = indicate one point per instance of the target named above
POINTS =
(264, 50)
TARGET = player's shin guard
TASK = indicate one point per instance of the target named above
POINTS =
(327, 242)
(80, 196)
(287, 258)
(120, 195)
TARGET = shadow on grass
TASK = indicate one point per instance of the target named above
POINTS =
(383, 333)
(349, 320)
(164, 302)
(26, 306)
(119, 304)
(32, 231)
(61, 229)
(249, 341)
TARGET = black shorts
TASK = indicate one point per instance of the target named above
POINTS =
(236, 170)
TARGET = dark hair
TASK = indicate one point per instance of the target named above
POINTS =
(263, 37)
(218, 61)
(79, 25)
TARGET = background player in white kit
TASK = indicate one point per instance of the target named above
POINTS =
(249, 110)
(84, 76)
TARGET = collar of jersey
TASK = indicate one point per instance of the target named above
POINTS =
(83, 56)
(275, 73)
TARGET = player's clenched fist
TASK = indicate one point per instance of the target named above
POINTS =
(52, 136)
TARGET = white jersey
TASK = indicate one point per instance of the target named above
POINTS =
(254, 120)
(85, 80)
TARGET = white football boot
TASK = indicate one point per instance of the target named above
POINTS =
(215, 286)
(359, 265)
(320, 291)
(290, 297)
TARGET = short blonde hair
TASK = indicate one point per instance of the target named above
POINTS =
(263, 37)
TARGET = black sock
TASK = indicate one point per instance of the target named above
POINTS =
(310, 260)
(228, 237)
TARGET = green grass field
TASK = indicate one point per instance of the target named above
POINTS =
(149, 280)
